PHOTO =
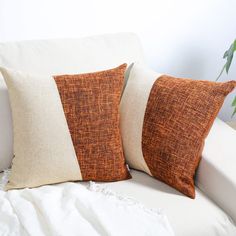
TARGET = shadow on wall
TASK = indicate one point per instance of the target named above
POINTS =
(192, 65)
(180, 60)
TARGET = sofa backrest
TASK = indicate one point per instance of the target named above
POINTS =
(60, 56)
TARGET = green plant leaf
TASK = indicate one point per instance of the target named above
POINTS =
(228, 63)
(225, 54)
(230, 56)
(234, 102)
(234, 105)
(234, 112)
(235, 45)
(221, 72)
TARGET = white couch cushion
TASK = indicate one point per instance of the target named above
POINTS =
(198, 217)
(216, 175)
(60, 56)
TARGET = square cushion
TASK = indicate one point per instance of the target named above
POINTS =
(165, 121)
(56, 57)
(59, 124)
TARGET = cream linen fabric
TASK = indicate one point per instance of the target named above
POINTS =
(133, 106)
(44, 153)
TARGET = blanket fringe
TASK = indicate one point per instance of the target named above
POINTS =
(4, 179)
(128, 200)
(101, 189)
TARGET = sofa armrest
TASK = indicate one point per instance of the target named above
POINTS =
(216, 175)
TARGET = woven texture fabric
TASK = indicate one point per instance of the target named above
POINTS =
(91, 106)
(178, 117)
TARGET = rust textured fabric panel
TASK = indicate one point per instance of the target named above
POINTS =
(91, 106)
(178, 117)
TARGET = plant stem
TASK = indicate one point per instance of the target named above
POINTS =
(221, 72)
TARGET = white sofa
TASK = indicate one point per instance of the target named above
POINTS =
(213, 212)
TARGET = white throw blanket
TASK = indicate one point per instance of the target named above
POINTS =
(74, 209)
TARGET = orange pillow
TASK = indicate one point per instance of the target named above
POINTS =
(91, 106)
(172, 117)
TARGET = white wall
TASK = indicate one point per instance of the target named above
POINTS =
(180, 37)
